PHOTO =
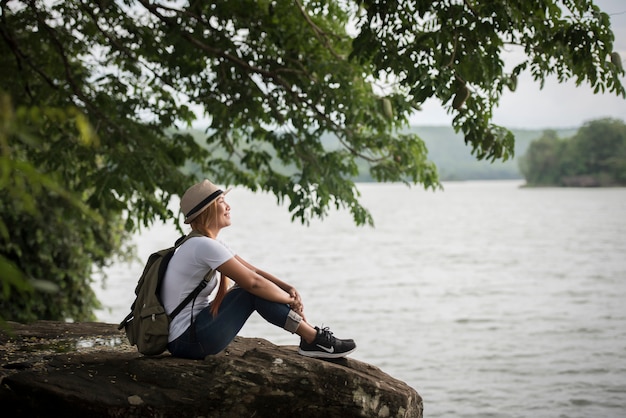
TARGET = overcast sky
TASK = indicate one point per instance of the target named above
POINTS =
(557, 105)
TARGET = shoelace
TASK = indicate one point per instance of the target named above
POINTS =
(327, 335)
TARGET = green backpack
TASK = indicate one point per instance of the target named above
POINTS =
(147, 325)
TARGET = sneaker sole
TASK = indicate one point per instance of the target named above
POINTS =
(323, 354)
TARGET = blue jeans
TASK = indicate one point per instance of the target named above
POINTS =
(210, 335)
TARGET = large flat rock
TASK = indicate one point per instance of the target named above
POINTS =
(90, 370)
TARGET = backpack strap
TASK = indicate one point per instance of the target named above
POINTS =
(203, 283)
(192, 295)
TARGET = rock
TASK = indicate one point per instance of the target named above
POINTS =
(90, 370)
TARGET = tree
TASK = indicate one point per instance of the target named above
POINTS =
(601, 145)
(540, 164)
(50, 237)
(102, 92)
(594, 156)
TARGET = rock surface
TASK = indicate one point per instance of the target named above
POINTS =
(90, 370)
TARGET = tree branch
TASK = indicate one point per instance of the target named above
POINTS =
(266, 74)
(469, 6)
(319, 33)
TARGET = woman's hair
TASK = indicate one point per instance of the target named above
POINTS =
(201, 224)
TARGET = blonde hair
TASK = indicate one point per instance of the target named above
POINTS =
(201, 224)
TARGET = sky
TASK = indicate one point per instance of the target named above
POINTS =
(556, 105)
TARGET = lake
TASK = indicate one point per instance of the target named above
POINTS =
(490, 299)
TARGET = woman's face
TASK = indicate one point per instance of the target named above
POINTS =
(222, 213)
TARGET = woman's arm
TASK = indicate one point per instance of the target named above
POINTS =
(254, 283)
(286, 287)
(296, 301)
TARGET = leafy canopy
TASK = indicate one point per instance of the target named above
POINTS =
(98, 95)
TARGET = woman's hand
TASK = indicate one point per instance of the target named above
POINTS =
(297, 306)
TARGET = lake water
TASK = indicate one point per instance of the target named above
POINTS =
(491, 300)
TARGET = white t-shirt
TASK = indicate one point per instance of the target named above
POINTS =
(188, 266)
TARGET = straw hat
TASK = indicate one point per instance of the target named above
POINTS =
(198, 197)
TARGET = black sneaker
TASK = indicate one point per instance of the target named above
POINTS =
(326, 346)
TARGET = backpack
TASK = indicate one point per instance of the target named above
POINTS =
(147, 325)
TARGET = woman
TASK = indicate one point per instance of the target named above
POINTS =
(208, 324)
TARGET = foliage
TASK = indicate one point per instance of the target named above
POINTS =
(444, 49)
(101, 92)
(594, 156)
(50, 239)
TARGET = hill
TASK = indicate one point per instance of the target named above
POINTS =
(448, 151)
(455, 161)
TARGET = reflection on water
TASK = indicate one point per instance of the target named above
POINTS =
(488, 298)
